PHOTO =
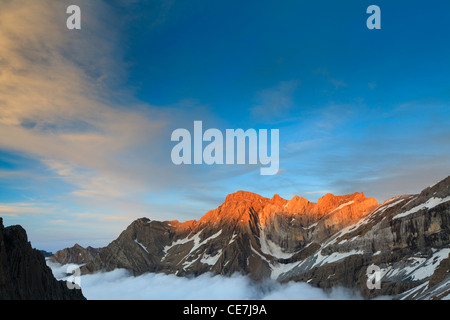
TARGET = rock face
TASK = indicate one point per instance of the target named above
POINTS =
(24, 274)
(407, 237)
(328, 243)
(245, 234)
(76, 254)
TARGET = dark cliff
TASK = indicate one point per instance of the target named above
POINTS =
(24, 274)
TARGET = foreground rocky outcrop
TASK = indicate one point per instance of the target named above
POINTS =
(329, 243)
(24, 274)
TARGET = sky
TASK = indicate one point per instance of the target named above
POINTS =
(86, 115)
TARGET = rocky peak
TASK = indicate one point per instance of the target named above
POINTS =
(24, 274)
(330, 202)
(439, 190)
(238, 207)
(277, 200)
(76, 254)
(144, 220)
(298, 205)
(77, 246)
(181, 227)
(430, 197)
(242, 196)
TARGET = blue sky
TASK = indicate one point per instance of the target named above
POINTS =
(86, 115)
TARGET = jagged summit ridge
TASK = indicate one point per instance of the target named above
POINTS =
(247, 231)
(243, 196)
(246, 208)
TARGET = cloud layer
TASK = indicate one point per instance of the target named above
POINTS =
(54, 84)
(120, 285)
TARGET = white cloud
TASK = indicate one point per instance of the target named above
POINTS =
(276, 102)
(26, 209)
(120, 285)
(59, 102)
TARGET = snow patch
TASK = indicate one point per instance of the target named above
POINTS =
(197, 243)
(260, 255)
(270, 248)
(211, 260)
(343, 205)
(418, 268)
(431, 203)
(141, 245)
(388, 204)
(280, 268)
(312, 226)
(334, 257)
(233, 237)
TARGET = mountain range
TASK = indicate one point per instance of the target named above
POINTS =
(327, 244)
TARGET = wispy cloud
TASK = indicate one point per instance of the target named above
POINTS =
(336, 83)
(276, 102)
(62, 105)
(15, 209)
(53, 104)
(319, 192)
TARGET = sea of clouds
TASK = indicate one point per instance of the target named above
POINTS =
(121, 285)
